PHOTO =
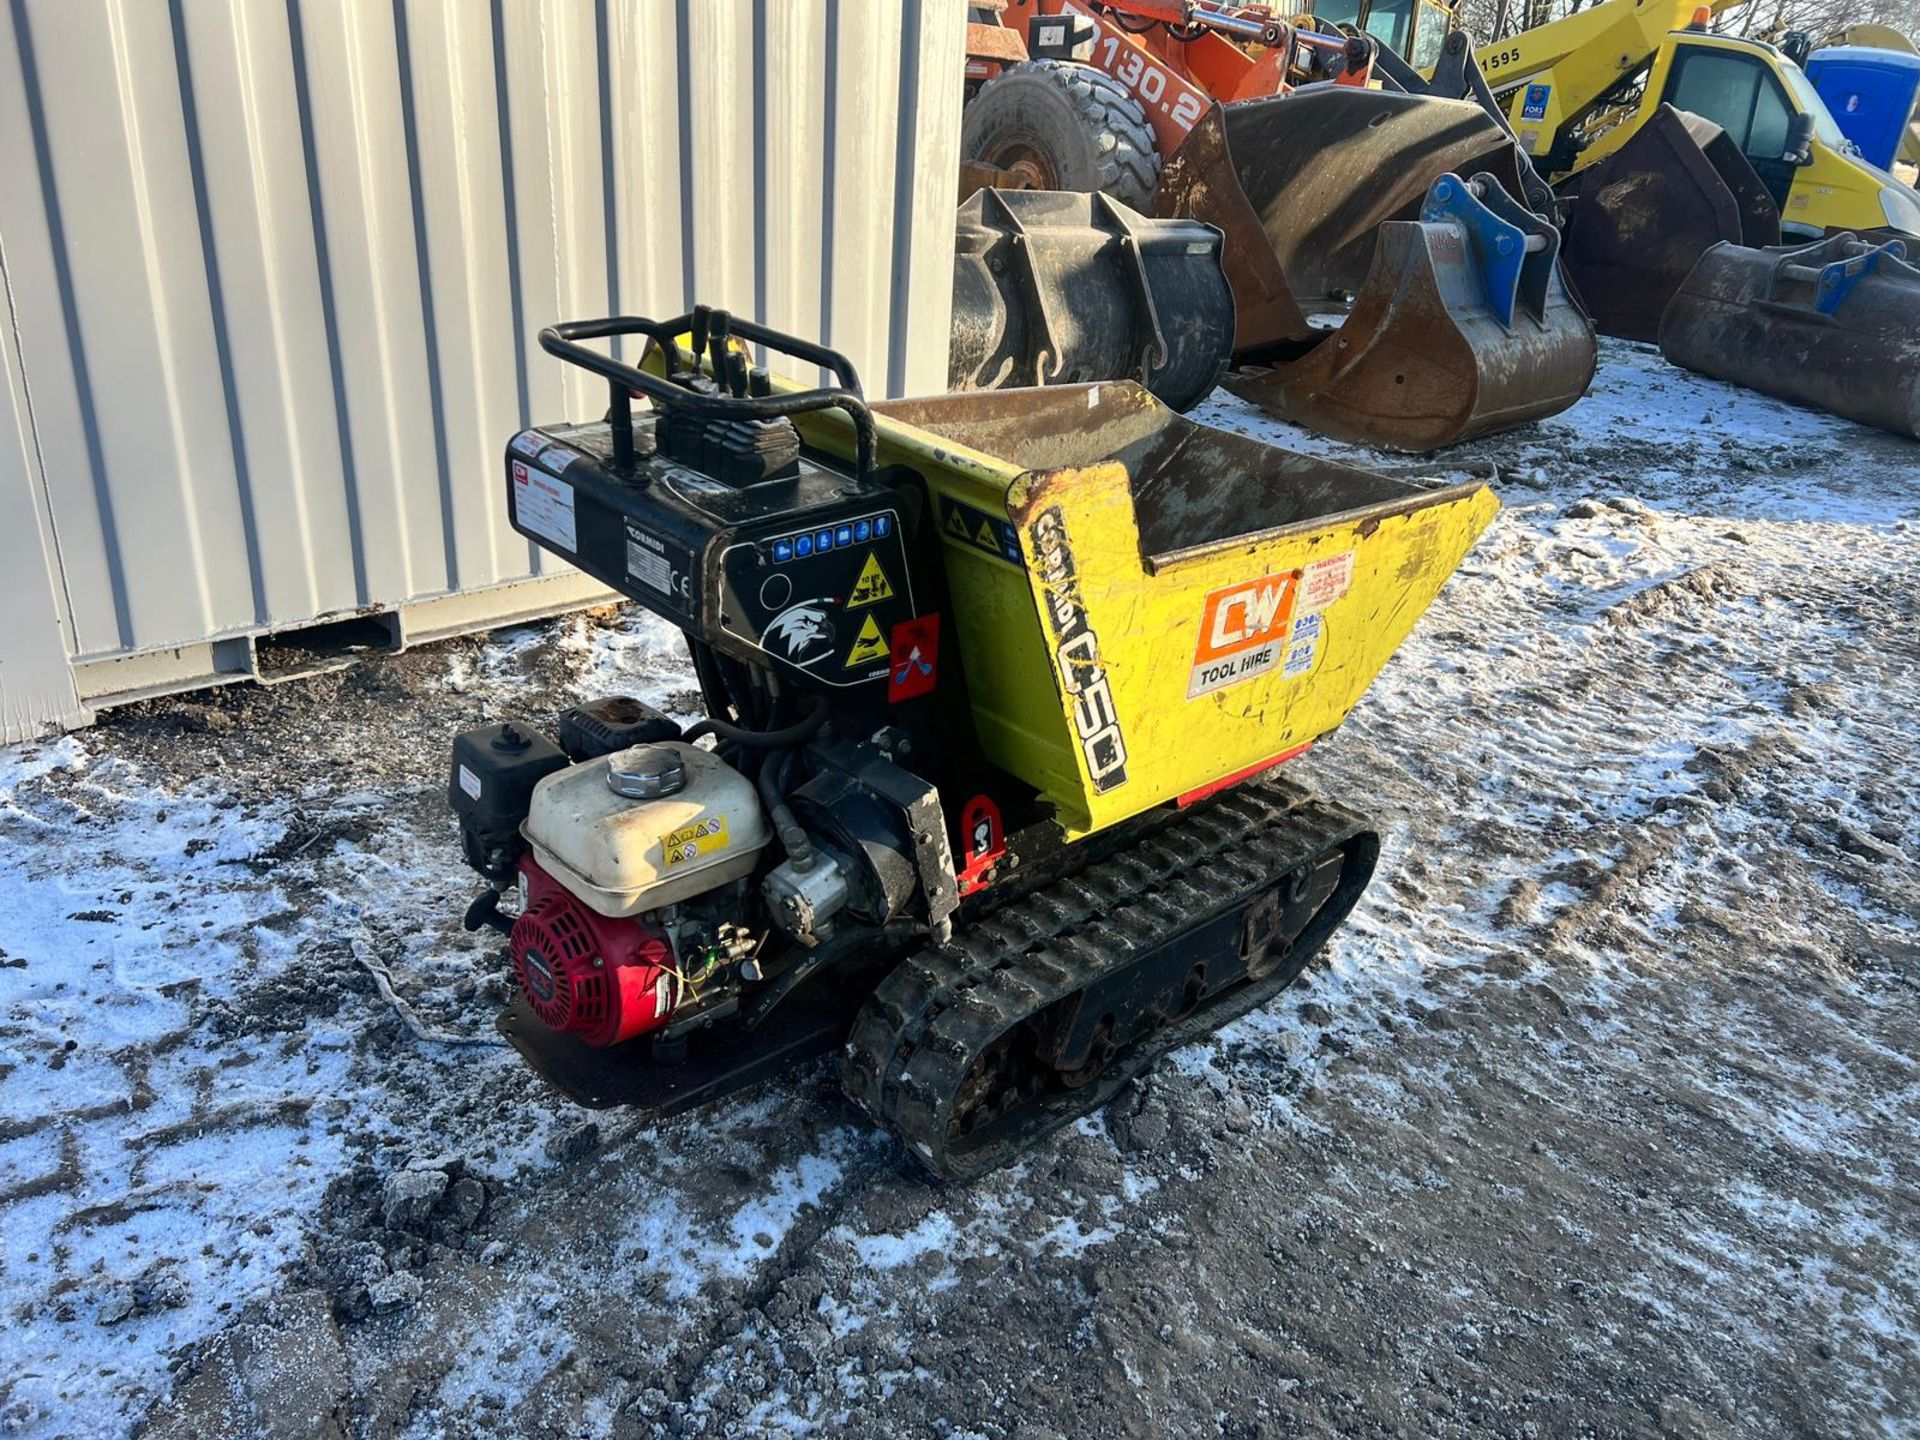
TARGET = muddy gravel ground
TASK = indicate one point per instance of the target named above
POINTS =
(1598, 1118)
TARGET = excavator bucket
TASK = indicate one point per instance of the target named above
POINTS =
(1462, 327)
(1834, 324)
(1299, 185)
(1391, 288)
(1634, 223)
(1054, 288)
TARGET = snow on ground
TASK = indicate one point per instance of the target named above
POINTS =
(1599, 1113)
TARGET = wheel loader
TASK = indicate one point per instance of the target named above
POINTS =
(996, 683)
(1371, 299)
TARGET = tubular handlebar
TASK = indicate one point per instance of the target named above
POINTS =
(624, 381)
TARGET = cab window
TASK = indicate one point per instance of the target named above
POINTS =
(1430, 22)
(1337, 12)
(1737, 94)
(1388, 22)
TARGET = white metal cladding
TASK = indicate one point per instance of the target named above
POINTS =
(274, 268)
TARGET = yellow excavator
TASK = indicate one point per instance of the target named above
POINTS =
(1658, 138)
(1619, 106)
(1581, 89)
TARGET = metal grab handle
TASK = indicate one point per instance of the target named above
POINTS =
(624, 381)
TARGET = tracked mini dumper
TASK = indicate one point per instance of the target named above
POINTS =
(997, 686)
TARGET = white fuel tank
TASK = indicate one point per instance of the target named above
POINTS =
(626, 853)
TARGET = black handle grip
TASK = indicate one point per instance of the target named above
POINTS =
(624, 381)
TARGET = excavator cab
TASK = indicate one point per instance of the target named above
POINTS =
(1776, 118)
(1415, 30)
(1662, 140)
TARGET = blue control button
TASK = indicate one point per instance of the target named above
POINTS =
(883, 525)
(824, 540)
(803, 545)
(862, 530)
(843, 536)
(782, 551)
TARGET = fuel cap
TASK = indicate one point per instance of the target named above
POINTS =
(646, 772)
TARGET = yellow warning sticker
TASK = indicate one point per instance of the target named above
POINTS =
(872, 586)
(867, 646)
(690, 842)
(986, 537)
(957, 525)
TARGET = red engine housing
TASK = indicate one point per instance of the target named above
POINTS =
(604, 980)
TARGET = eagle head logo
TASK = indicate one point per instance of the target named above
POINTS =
(802, 632)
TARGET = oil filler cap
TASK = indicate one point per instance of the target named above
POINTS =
(646, 772)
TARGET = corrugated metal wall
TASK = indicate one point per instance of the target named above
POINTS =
(273, 268)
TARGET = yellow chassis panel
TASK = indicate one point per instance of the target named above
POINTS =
(1115, 670)
(1151, 629)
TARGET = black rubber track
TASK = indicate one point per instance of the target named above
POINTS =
(1093, 132)
(919, 1036)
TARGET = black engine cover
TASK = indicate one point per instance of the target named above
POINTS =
(805, 571)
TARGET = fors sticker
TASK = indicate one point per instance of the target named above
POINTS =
(690, 842)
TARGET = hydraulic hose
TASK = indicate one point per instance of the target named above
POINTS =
(772, 784)
(801, 729)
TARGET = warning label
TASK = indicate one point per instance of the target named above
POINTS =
(690, 842)
(1243, 630)
(1324, 581)
(872, 587)
(965, 525)
(543, 506)
(868, 646)
(915, 659)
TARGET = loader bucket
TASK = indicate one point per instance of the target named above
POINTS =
(1463, 327)
(1143, 604)
(1300, 183)
(1834, 324)
(1635, 222)
(1055, 288)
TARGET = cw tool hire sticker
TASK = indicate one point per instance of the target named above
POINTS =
(1243, 630)
(1272, 623)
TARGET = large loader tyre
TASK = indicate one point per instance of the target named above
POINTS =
(1060, 125)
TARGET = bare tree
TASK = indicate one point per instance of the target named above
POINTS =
(1488, 20)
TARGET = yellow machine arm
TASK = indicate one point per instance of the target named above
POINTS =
(1587, 53)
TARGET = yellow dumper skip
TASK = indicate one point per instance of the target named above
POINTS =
(1147, 607)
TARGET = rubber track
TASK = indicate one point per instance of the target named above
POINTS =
(918, 1036)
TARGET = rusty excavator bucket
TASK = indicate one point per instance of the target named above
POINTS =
(1634, 223)
(1370, 305)
(1834, 324)
(1462, 327)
